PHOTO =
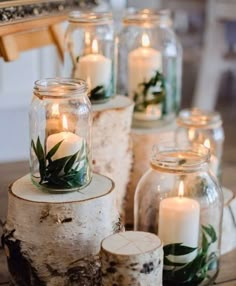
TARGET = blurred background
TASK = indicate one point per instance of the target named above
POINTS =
(207, 31)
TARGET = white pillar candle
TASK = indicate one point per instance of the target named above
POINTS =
(94, 68)
(179, 219)
(143, 63)
(71, 143)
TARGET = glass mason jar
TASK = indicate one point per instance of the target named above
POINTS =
(60, 134)
(90, 53)
(150, 67)
(181, 201)
(203, 127)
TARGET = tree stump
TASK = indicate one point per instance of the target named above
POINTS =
(54, 239)
(132, 258)
(112, 151)
(143, 141)
(228, 241)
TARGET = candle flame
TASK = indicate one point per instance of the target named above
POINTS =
(207, 143)
(145, 40)
(181, 189)
(64, 122)
(95, 46)
(87, 38)
(191, 134)
(55, 109)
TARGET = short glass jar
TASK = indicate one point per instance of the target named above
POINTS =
(60, 134)
(178, 199)
(90, 53)
(150, 66)
(203, 127)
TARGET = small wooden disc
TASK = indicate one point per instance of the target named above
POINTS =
(25, 189)
(131, 243)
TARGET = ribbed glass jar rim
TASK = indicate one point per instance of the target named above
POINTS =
(90, 18)
(60, 88)
(175, 158)
(198, 118)
(148, 18)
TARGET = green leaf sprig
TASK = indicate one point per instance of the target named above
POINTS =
(99, 93)
(63, 173)
(141, 98)
(195, 271)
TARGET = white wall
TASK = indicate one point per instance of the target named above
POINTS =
(16, 83)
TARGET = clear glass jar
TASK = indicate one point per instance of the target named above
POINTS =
(90, 53)
(203, 127)
(150, 67)
(178, 199)
(60, 134)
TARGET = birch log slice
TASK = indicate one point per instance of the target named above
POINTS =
(143, 141)
(54, 239)
(112, 152)
(228, 241)
(132, 258)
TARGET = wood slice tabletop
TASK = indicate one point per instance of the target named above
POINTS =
(11, 171)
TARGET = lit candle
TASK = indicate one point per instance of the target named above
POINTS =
(143, 63)
(179, 221)
(71, 143)
(94, 68)
(53, 122)
(214, 162)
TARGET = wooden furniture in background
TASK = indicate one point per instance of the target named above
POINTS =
(214, 62)
(19, 37)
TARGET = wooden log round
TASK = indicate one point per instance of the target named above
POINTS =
(143, 141)
(132, 258)
(112, 151)
(54, 239)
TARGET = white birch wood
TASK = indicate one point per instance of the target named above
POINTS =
(53, 239)
(228, 241)
(112, 151)
(143, 141)
(132, 258)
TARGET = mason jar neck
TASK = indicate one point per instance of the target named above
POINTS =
(198, 118)
(60, 88)
(148, 18)
(180, 159)
(90, 18)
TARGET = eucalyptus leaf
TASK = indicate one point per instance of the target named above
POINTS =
(70, 162)
(56, 166)
(195, 271)
(178, 249)
(211, 232)
(53, 150)
(59, 173)
(34, 148)
(168, 262)
(98, 93)
(205, 243)
(141, 97)
(40, 150)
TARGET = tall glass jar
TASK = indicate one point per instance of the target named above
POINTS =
(179, 200)
(60, 134)
(150, 66)
(90, 53)
(203, 127)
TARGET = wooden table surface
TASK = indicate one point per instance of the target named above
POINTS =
(12, 171)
